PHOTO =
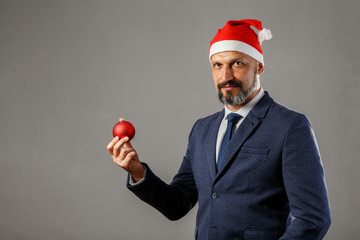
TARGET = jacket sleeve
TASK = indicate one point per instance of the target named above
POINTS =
(173, 200)
(304, 182)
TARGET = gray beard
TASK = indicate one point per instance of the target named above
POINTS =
(239, 98)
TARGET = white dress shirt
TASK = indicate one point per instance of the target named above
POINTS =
(242, 112)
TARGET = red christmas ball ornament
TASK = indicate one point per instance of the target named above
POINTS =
(123, 129)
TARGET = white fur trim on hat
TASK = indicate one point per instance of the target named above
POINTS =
(233, 45)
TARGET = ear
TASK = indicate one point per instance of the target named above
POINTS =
(260, 68)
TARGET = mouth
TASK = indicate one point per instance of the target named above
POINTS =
(229, 88)
(230, 85)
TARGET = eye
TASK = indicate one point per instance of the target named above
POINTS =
(216, 65)
(238, 64)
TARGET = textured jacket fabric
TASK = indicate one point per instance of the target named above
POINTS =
(270, 185)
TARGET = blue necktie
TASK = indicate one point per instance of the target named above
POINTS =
(233, 118)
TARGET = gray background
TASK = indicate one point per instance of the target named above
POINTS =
(70, 69)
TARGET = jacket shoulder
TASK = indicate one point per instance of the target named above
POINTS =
(269, 109)
(203, 125)
(285, 114)
(208, 120)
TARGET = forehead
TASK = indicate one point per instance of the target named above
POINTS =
(229, 56)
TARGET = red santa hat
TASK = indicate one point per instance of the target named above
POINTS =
(237, 35)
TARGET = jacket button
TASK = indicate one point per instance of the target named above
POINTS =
(214, 195)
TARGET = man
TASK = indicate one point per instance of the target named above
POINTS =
(254, 168)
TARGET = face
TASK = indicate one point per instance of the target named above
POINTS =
(235, 76)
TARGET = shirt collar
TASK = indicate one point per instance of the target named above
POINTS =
(247, 108)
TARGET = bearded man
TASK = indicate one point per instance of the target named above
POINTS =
(254, 168)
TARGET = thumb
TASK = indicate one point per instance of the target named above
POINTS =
(127, 144)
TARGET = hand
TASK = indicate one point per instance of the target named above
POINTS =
(126, 157)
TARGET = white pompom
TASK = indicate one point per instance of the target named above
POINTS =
(264, 34)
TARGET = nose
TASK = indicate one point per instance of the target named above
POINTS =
(227, 74)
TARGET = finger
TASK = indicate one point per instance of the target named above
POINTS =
(126, 162)
(128, 144)
(118, 145)
(111, 144)
(124, 158)
(124, 152)
(130, 156)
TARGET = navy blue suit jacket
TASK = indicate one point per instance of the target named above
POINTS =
(270, 185)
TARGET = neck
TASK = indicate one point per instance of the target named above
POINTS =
(235, 108)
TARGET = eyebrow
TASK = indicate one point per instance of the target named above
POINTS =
(231, 60)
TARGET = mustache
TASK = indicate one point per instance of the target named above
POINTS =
(230, 83)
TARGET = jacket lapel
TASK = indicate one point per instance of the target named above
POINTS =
(246, 128)
(210, 143)
(242, 133)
